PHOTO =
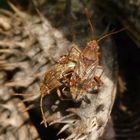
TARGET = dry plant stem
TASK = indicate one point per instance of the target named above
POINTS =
(31, 49)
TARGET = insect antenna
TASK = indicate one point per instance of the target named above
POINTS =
(91, 27)
(88, 19)
(109, 34)
(37, 9)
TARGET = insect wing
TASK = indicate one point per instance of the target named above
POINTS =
(74, 53)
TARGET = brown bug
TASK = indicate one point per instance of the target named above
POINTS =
(58, 75)
(84, 78)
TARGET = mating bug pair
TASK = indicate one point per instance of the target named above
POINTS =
(75, 72)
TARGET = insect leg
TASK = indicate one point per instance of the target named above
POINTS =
(42, 111)
(41, 103)
(97, 79)
(75, 48)
(58, 93)
(74, 54)
(100, 67)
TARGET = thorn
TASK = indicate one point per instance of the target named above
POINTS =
(63, 128)
(28, 108)
(22, 94)
(16, 10)
(71, 136)
(73, 110)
